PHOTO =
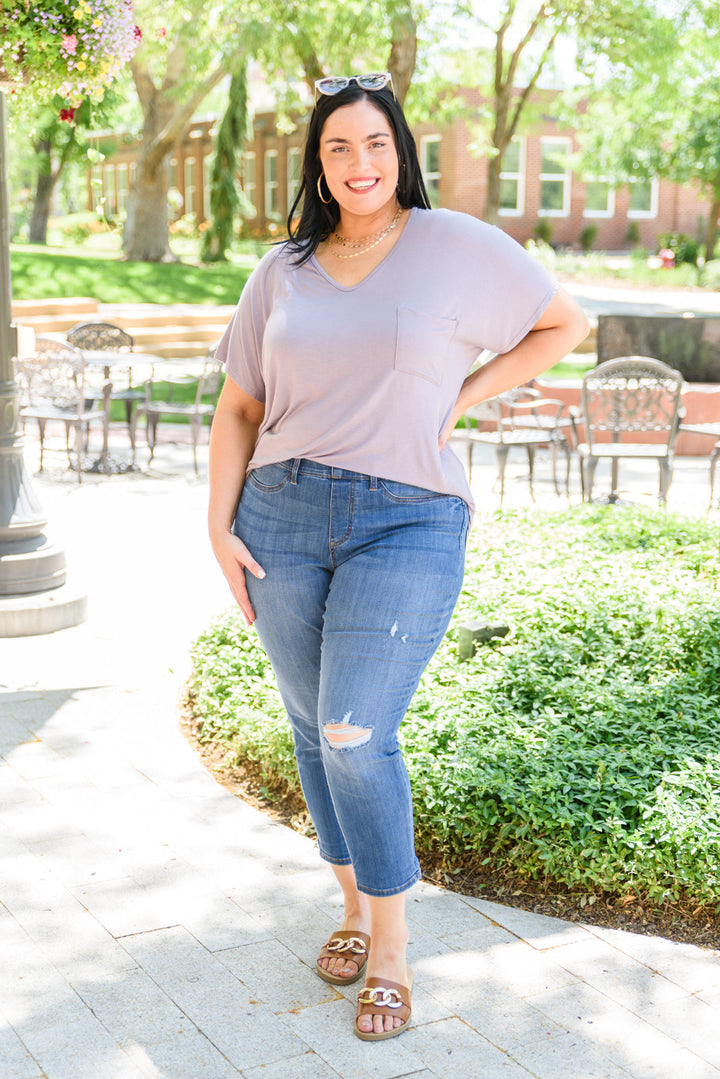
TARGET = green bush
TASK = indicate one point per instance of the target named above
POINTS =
(582, 750)
(684, 248)
(543, 231)
(588, 236)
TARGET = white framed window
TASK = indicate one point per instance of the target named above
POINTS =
(207, 184)
(96, 186)
(189, 178)
(294, 165)
(249, 183)
(430, 166)
(123, 187)
(109, 190)
(643, 199)
(554, 177)
(512, 179)
(272, 206)
(599, 198)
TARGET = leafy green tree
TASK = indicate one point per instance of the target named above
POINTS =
(521, 41)
(187, 50)
(661, 117)
(57, 143)
(224, 199)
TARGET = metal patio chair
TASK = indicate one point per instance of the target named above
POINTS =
(107, 337)
(630, 408)
(52, 387)
(506, 422)
(200, 409)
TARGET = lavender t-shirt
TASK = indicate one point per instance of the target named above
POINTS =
(364, 376)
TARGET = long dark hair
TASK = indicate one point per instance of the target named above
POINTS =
(318, 219)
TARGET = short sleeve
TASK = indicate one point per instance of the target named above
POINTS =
(241, 346)
(504, 289)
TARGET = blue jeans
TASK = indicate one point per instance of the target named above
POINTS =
(362, 575)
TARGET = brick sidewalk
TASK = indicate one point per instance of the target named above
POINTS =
(156, 927)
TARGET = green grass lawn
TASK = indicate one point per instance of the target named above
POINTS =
(578, 756)
(47, 273)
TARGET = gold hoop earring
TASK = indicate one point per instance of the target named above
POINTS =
(319, 190)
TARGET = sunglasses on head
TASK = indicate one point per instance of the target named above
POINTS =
(334, 84)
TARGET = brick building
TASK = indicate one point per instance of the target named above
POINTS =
(537, 183)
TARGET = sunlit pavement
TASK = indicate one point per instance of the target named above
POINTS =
(154, 925)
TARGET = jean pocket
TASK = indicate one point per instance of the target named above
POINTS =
(269, 477)
(422, 343)
(406, 492)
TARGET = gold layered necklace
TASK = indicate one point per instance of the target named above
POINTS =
(360, 247)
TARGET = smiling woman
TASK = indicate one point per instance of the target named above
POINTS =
(338, 512)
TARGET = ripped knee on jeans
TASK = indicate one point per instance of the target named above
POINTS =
(346, 735)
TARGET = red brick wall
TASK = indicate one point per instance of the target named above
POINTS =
(463, 184)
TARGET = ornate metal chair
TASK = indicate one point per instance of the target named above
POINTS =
(52, 387)
(507, 421)
(197, 411)
(106, 337)
(621, 400)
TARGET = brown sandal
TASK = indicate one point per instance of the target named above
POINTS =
(345, 944)
(381, 997)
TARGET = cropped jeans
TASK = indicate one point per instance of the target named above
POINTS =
(362, 575)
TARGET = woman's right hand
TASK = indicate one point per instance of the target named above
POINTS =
(234, 558)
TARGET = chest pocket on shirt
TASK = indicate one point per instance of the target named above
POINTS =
(422, 343)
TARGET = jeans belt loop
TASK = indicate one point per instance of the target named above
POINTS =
(373, 483)
(294, 470)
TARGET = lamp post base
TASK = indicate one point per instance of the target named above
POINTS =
(34, 596)
(42, 612)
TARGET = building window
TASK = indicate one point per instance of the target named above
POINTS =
(189, 177)
(272, 206)
(554, 178)
(430, 166)
(123, 188)
(512, 179)
(293, 175)
(643, 198)
(249, 185)
(110, 205)
(599, 199)
(207, 185)
(96, 187)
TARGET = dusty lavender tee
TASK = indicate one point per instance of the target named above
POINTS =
(364, 376)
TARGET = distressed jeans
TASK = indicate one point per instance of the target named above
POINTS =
(362, 575)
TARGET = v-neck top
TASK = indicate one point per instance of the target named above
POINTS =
(364, 376)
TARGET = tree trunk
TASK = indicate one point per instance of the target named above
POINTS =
(41, 206)
(401, 63)
(492, 201)
(147, 237)
(712, 225)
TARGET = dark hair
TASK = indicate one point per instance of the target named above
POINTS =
(318, 219)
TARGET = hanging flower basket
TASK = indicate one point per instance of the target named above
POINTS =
(74, 48)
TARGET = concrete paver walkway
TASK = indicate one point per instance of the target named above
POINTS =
(154, 926)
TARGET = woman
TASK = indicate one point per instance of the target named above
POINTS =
(338, 513)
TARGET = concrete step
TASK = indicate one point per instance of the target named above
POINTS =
(69, 306)
(148, 336)
(149, 314)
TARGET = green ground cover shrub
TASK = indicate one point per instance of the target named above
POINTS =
(582, 750)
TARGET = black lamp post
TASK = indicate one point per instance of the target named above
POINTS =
(32, 569)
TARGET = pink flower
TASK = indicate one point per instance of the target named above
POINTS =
(162, 32)
(137, 33)
(69, 43)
